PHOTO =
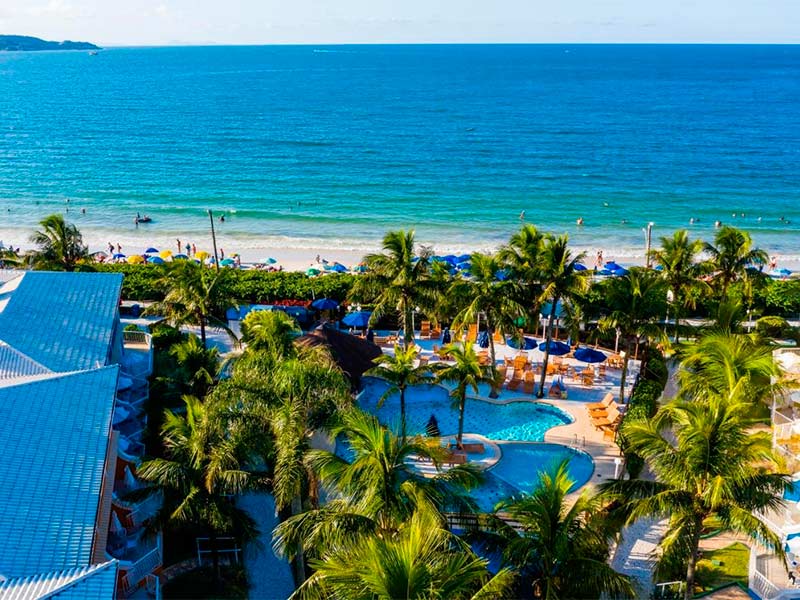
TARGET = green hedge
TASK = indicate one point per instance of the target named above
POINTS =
(257, 287)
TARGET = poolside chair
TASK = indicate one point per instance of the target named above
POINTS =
(509, 362)
(425, 330)
(484, 359)
(607, 401)
(587, 379)
(602, 370)
(423, 360)
(552, 369)
(472, 334)
(469, 447)
(456, 458)
(436, 333)
(529, 382)
(499, 338)
(515, 381)
(520, 360)
(610, 419)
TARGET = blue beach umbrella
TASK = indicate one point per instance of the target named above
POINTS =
(360, 269)
(465, 258)
(118, 255)
(556, 348)
(151, 250)
(589, 355)
(612, 266)
(780, 273)
(357, 319)
(502, 275)
(179, 257)
(580, 267)
(528, 343)
(155, 260)
(619, 272)
(226, 262)
(605, 272)
(339, 268)
(451, 258)
(325, 304)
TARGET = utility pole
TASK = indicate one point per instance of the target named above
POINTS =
(648, 237)
(213, 238)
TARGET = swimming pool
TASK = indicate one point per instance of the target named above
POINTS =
(520, 466)
(514, 421)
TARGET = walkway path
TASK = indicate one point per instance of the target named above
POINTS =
(635, 555)
(270, 577)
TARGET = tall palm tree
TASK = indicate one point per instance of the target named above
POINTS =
(195, 295)
(487, 296)
(398, 280)
(561, 547)
(730, 254)
(636, 301)
(197, 366)
(421, 560)
(466, 372)
(708, 466)
(201, 470)
(375, 489)
(560, 282)
(400, 371)
(721, 362)
(60, 245)
(522, 255)
(270, 331)
(681, 268)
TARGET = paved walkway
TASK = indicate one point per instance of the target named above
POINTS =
(636, 555)
(270, 577)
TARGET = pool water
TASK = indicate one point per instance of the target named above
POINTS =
(514, 421)
(520, 467)
(792, 493)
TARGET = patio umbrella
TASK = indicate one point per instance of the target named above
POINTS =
(483, 339)
(325, 304)
(202, 255)
(226, 262)
(165, 254)
(135, 259)
(528, 343)
(612, 266)
(357, 319)
(580, 267)
(339, 268)
(556, 348)
(589, 355)
(155, 260)
(268, 261)
(619, 272)
(464, 258)
(118, 255)
(312, 271)
(446, 337)
(151, 250)
(179, 257)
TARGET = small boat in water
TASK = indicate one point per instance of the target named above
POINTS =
(93, 53)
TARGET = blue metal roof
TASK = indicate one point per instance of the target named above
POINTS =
(95, 582)
(63, 321)
(54, 431)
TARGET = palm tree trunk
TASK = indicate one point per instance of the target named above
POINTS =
(408, 325)
(688, 593)
(403, 413)
(299, 563)
(490, 330)
(203, 330)
(624, 374)
(461, 406)
(548, 339)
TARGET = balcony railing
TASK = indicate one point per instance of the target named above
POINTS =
(133, 573)
(135, 514)
(137, 343)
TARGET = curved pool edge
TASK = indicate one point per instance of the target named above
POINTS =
(570, 448)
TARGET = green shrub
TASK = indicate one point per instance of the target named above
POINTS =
(165, 336)
(773, 327)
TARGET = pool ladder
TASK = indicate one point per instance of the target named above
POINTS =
(575, 441)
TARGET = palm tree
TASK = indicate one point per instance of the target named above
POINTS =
(195, 295)
(400, 371)
(421, 560)
(398, 280)
(375, 490)
(730, 254)
(561, 547)
(636, 301)
(197, 366)
(560, 282)
(708, 467)
(681, 269)
(721, 362)
(466, 372)
(60, 245)
(487, 296)
(522, 255)
(202, 469)
(270, 331)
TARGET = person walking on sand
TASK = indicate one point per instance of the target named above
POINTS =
(194, 249)
(119, 248)
(179, 245)
(188, 249)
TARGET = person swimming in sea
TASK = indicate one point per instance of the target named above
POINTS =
(579, 221)
(522, 216)
(717, 224)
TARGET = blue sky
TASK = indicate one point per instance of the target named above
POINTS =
(151, 22)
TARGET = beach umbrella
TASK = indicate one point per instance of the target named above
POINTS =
(118, 255)
(165, 254)
(311, 271)
(464, 258)
(135, 259)
(226, 262)
(151, 250)
(780, 273)
(556, 348)
(483, 339)
(357, 319)
(339, 268)
(202, 255)
(155, 260)
(528, 343)
(612, 266)
(325, 304)
(451, 258)
(210, 260)
(605, 272)
(589, 355)
(179, 257)
(580, 267)
(362, 268)
(269, 261)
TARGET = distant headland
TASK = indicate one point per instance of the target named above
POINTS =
(24, 43)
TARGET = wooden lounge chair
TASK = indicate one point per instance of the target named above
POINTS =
(425, 330)
(515, 380)
(472, 334)
(499, 338)
(469, 448)
(552, 369)
(528, 382)
(610, 419)
(607, 401)
(456, 458)
(520, 360)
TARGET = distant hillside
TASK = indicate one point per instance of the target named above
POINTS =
(15, 43)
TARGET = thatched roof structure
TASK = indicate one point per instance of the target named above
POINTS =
(354, 355)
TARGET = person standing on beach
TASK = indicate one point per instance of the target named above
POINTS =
(194, 249)
(179, 245)
(119, 248)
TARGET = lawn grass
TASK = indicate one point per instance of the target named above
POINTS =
(732, 566)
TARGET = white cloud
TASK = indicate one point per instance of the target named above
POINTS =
(54, 8)
(162, 10)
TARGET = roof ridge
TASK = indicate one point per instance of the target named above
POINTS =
(88, 572)
(25, 356)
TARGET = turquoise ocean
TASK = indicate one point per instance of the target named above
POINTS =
(328, 147)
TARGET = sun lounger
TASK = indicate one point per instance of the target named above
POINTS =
(516, 380)
(425, 330)
(610, 419)
(529, 382)
(499, 338)
(520, 360)
(472, 334)
(552, 369)
(607, 401)
(470, 448)
(456, 458)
